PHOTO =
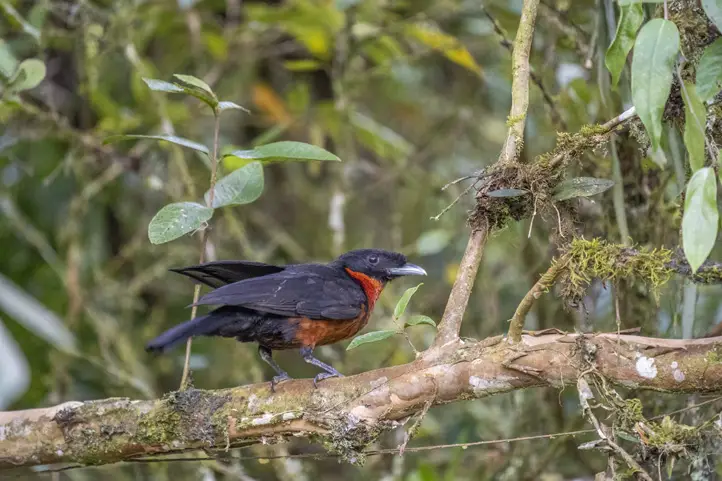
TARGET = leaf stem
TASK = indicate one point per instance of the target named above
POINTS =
(204, 241)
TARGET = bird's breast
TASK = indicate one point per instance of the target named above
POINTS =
(319, 332)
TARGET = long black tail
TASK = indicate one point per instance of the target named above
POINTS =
(195, 327)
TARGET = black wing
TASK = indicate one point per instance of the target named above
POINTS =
(220, 273)
(316, 294)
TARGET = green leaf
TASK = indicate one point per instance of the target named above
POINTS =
(373, 336)
(8, 62)
(404, 301)
(198, 89)
(193, 86)
(433, 241)
(581, 187)
(15, 17)
(701, 218)
(242, 186)
(507, 193)
(225, 105)
(379, 138)
(419, 319)
(709, 71)
(695, 120)
(162, 86)
(631, 18)
(34, 316)
(29, 74)
(302, 65)
(430, 35)
(713, 9)
(655, 52)
(195, 82)
(175, 220)
(285, 151)
(167, 138)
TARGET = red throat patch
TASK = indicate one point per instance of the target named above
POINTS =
(372, 287)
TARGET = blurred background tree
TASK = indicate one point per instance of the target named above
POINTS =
(410, 95)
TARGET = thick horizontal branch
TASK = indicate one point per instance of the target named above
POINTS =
(347, 414)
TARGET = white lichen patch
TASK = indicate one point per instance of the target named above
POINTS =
(265, 419)
(484, 387)
(289, 416)
(678, 375)
(674, 365)
(254, 402)
(646, 368)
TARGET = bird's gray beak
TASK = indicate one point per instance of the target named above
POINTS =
(407, 270)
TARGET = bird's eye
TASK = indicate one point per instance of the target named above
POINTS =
(374, 260)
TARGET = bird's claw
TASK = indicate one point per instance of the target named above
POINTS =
(325, 375)
(279, 379)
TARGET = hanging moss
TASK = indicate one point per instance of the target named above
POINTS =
(596, 258)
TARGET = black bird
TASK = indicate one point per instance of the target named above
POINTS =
(297, 306)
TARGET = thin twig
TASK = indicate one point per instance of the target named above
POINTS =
(506, 43)
(585, 394)
(453, 203)
(542, 285)
(204, 242)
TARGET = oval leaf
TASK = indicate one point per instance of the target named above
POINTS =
(709, 71)
(29, 74)
(433, 241)
(225, 105)
(372, 336)
(507, 193)
(581, 187)
(242, 186)
(168, 138)
(713, 9)
(195, 82)
(695, 121)
(404, 301)
(700, 221)
(285, 151)
(162, 86)
(631, 18)
(416, 320)
(655, 52)
(198, 89)
(175, 220)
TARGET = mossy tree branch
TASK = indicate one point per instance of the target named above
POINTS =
(347, 414)
(450, 324)
(585, 260)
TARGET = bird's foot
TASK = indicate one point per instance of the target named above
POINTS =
(325, 375)
(279, 379)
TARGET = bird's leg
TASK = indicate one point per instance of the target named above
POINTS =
(268, 357)
(307, 354)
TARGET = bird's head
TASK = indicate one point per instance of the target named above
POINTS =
(379, 264)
